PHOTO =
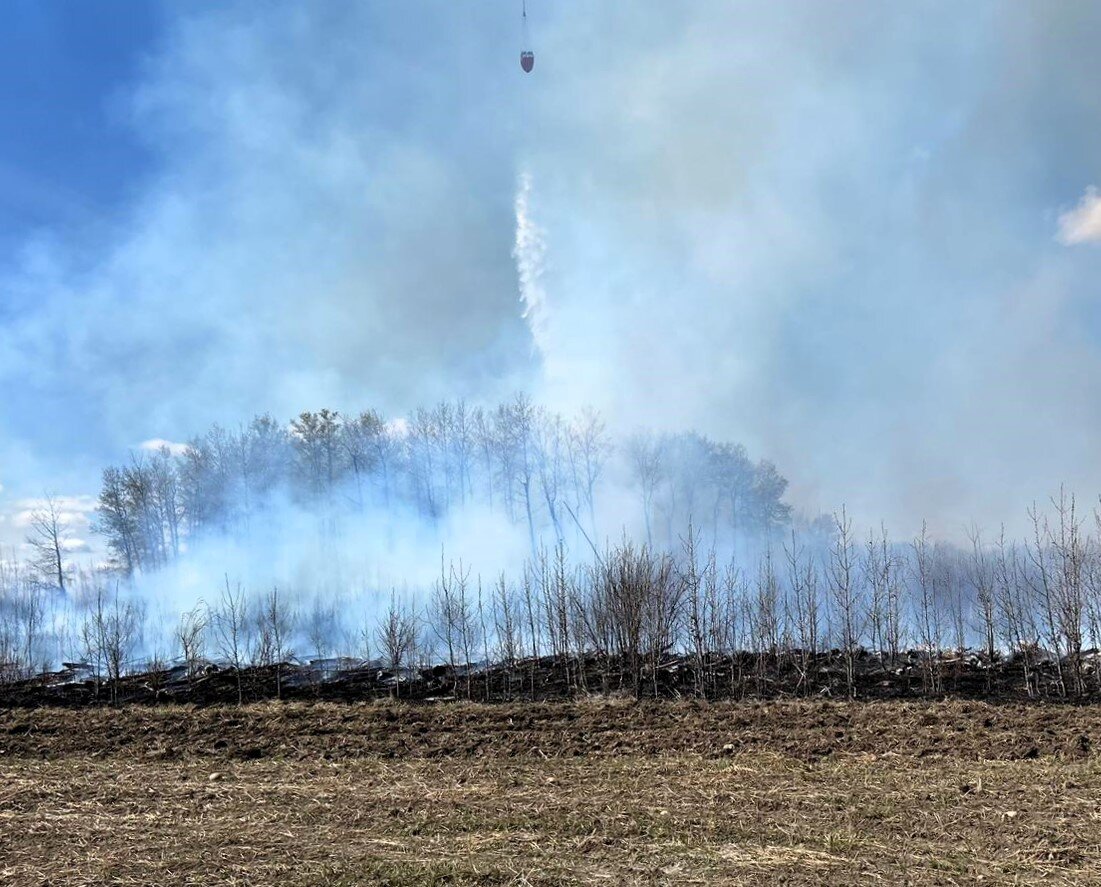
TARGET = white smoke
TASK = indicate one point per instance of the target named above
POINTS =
(351, 561)
(529, 251)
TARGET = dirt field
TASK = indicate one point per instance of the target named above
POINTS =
(590, 793)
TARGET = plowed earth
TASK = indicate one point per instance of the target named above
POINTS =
(594, 792)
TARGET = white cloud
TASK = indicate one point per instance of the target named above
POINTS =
(1083, 223)
(73, 511)
(79, 504)
(156, 444)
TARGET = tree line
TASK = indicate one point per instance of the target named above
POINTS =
(548, 474)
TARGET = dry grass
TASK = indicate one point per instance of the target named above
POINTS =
(122, 812)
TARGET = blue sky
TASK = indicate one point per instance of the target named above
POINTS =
(67, 153)
(859, 239)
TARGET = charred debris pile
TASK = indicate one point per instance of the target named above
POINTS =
(914, 674)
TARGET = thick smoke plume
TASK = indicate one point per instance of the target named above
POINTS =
(766, 227)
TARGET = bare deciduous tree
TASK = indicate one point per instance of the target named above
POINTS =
(230, 622)
(274, 623)
(846, 596)
(396, 637)
(930, 622)
(191, 636)
(48, 536)
(117, 625)
(980, 574)
(803, 582)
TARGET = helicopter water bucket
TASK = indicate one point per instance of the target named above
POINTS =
(527, 57)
